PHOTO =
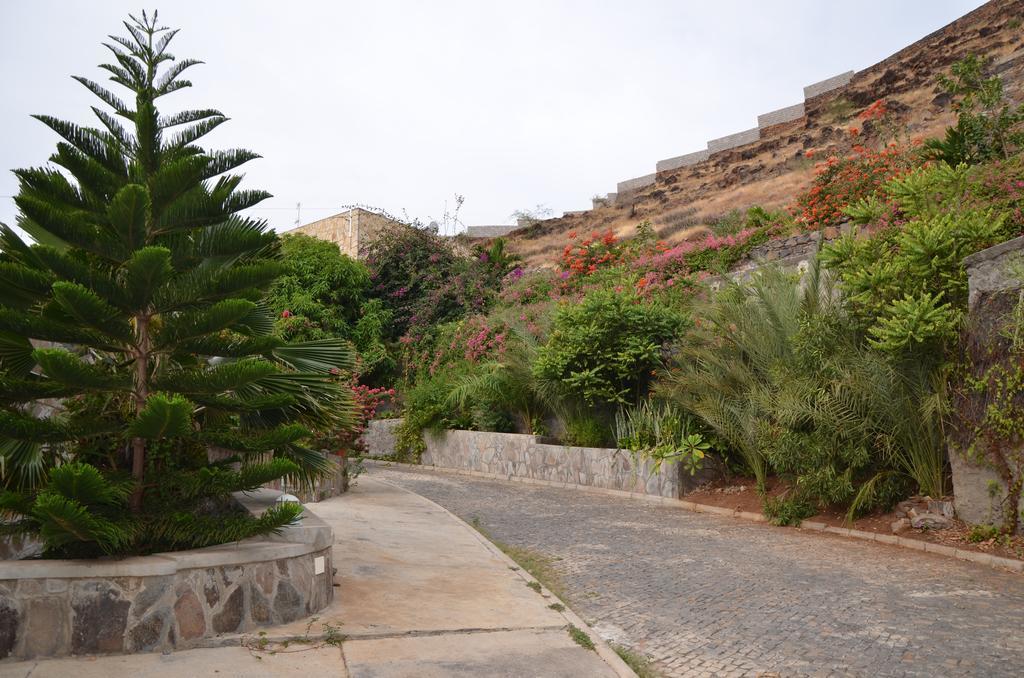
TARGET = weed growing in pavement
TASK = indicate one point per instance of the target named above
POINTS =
(580, 637)
(640, 664)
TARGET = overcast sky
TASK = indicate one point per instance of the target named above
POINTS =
(403, 105)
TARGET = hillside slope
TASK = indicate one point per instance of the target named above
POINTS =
(775, 168)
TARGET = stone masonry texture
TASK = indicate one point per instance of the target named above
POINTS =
(379, 437)
(524, 456)
(748, 136)
(686, 160)
(706, 595)
(351, 230)
(777, 117)
(827, 85)
(633, 184)
(55, 617)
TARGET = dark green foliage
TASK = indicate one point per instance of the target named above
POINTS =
(141, 306)
(370, 337)
(429, 410)
(584, 429)
(788, 510)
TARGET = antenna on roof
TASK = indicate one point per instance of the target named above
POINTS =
(298, 214)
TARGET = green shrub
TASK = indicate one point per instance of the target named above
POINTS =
(320, 292)
(906, 284)
(787, 510)
(604, 351)
(586, 430)
(980, 533)
(662, 433)
(988, 126)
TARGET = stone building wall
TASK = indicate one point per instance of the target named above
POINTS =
(351, 230)
(53, 608)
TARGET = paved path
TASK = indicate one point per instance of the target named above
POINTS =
(421, 595)
(710, 595)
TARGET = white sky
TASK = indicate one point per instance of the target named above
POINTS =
(401, 105)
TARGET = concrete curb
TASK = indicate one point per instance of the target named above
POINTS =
(888, 539)
(604, 651)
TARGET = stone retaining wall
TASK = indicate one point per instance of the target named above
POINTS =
(525, 456)
(633, 184)
(687, 160)
(379, 437)
(827, 85)
(53, 608)
(736, 140)
(765, 121)
(781, 115)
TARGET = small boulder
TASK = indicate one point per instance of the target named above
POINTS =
(930, 521)
(942, 507)
(900, 525)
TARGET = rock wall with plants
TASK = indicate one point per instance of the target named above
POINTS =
(987, 454)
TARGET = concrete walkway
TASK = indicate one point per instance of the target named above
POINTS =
(420, 594)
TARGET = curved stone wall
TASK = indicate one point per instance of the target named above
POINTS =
(52, 608)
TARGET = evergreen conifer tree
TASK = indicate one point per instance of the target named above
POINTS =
(133, 335)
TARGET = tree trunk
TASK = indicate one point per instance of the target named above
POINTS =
(141, 394)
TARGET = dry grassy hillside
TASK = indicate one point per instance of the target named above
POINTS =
(771, 171)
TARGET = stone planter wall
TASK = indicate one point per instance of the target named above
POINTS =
(53, 608)
(525, 456)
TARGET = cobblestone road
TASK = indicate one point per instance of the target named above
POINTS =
(709, 595)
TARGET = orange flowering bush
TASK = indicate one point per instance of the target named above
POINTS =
(840, 182)
(599, 250)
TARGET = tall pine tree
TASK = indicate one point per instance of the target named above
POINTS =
(134, 340)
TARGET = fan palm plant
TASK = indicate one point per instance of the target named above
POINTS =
(133, 334)
(776, 370)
